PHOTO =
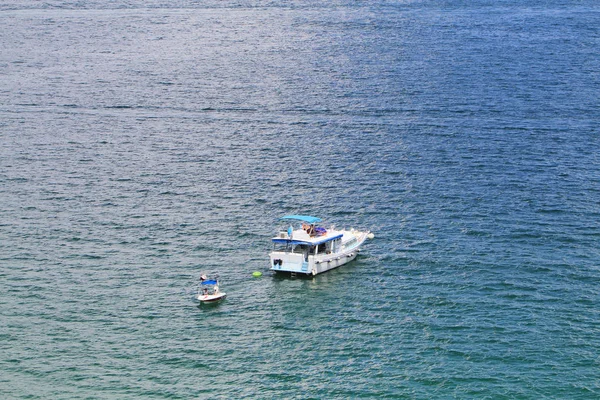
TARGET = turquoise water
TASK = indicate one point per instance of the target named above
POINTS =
(145, 143)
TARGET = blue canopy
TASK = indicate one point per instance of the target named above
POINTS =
(209, 282)
(305, 218)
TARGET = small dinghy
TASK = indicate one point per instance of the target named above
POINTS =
(209, 292)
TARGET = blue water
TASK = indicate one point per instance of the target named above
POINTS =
(143, 143)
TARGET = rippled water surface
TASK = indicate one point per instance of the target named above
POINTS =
(144, 143)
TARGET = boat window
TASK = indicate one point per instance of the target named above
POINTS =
(299, 249)
(282, 247)
(350, 243)
(329, 247)
(335, 245)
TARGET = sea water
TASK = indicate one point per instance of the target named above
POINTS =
(143, 143)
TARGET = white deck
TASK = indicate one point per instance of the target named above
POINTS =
(301, 235)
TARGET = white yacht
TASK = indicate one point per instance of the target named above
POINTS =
(311, 249)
